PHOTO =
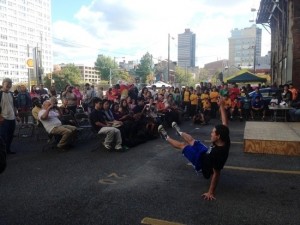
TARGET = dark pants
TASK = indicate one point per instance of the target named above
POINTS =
(7, 129)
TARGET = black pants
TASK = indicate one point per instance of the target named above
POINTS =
(7, 129)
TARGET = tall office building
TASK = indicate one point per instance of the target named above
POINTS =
(24, 25)
(186, 49)
(243, 45)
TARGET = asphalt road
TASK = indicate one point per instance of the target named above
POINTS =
(150, 184)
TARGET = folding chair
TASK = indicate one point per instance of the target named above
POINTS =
(42, 135)
(84, 124)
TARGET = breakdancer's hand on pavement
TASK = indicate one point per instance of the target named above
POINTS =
(208, 196)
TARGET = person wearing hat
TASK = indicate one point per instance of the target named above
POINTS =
(8, 114)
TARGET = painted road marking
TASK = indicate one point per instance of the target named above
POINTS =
(151, 221)
(296, 172)
(111, 179)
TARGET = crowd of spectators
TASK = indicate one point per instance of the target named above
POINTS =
(128, 116)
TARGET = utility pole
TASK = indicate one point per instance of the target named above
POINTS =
(254, 58)
(28, 70)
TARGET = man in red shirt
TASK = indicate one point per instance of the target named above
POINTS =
(234, 92)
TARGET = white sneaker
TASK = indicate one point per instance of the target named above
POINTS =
(106, 146)
(176, 127)
(163, 133)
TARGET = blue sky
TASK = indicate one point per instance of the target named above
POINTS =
(66, 9)
(82, 29)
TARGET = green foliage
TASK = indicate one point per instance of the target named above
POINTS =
(183, 76)
(69, 74)
(144, 68)
(103, 65)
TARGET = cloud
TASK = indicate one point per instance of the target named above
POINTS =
(131, 28)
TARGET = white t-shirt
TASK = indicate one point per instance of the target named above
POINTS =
(7, 106)
(52, 120)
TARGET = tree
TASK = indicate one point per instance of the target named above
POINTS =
(69, 74)
(103, 65)
(144, 68)
(204, 75)
(150, 78)
(183, 76)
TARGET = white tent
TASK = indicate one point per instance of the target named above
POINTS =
(159, 84)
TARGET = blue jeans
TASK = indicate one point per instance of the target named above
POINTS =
(7, 129)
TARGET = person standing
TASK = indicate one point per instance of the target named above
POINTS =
(24, 104)
(7, 115)
(71, 97)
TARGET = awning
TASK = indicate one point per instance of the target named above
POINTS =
(265, 12)
(246, 77)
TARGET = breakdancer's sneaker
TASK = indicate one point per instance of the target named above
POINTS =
(176, 127)
(163, 133)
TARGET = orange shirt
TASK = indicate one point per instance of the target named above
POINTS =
(213, 95)
(194, 99)
(206, 105)
(186, 96)
(203, 97)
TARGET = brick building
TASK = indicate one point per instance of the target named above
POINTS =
(283, 19)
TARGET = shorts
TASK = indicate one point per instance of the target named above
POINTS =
(194, 153)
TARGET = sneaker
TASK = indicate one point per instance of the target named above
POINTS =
(176, 127)
(107, 147)
(162, 132)
(122, 149)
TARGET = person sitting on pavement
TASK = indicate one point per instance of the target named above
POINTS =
(257, 107)
(49, 118)
(100, 125)
(208, 160)
(204, 115)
